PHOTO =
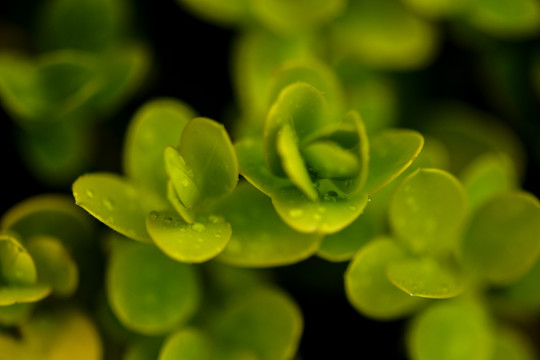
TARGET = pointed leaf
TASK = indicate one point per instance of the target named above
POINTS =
(391, 152)
(190, 243)
(208, 152)
(259, 236)
(425, 277)
(332, 212)
(117, 203)
(168, 290)
(428, 211)
(508, 225)
(368, 288)
(157, 124)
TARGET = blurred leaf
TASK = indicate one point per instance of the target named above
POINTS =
(368, 288)
(144, 349)
(190, 243)
(506, 19)
(16, 314)
(55, 266)
(225, 13)
(391, 152)
(15, 294)
(384, 35)
(428, 211)
(502, 243)
(451, 330)
(54, 336)
(289, 17)
(439, 9)
(91, 25)
(168, 291)
(264, 321)
(487, 176)
(209, 153)
(188, 344)
(426, 277)
(157, 124)
(16, 264)
(259, 237)
(332, 212)
(524, 294)
(117, 203)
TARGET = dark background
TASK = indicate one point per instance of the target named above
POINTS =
(191, 62)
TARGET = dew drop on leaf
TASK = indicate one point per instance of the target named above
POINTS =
(198, 227)
(90, 193)
(296, 213)
(108, 204)
(154, 215)
(168, 220)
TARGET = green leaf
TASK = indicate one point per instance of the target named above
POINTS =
(188, 344)
(54, 264)
(391, 152)
(292, 163)
(168, 291)
(332, 212)
(259, 237)
(16, 264)
(16, 314)
(181, 179)
(91, 25)
(189, 243)
(440, 9)
(384, 35)
(450, 330)
(524, 294)
(505, 19)
(502, 243)
(144, 349)
(331, 160)
(117, 203)
(488, 175)
(428, 211)
(289, 17)
(368, 288)
(304, 108)
(209, 153)
(157, 124)
(264, 321)
(16, 294)
(426, 277)
(54, 335)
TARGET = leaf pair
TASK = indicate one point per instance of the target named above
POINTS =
(191, 177)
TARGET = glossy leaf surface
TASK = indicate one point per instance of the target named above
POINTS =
(259, 236)
(169, 290)
(508, 225)
(157, 124)
(189, 243)
(118, 203)
(428, 211)
(368, 288)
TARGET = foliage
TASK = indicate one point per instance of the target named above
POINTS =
(329, 152)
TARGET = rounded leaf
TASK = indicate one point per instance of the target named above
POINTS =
(259, 237)
(200, 241)
(16, 264)
(502, 242)
(428, 211)
(117, 203)
(148, 292)
(368, 288)
(188, 344)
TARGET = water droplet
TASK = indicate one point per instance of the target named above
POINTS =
(317, 216)
(214, 219)
(217, 235)
(154, 215)
(411, 294)
(108, 204)
(198, 227)
(296, 213)
(185, 183)
(369, 198)
(352, 208)
(90, 193)
(168, 220)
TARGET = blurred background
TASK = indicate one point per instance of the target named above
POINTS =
(171, 49)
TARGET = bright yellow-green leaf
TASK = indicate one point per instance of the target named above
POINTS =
(188, 344)
(200, 241)
(209, 153)
(157, 124)
(331, 160)
(502, 243)
(167, 291)
(428, 211)
(368, 288)
(16, 264)
(451, 330)
(426, 277)
(118, 203)
(15, 294)
(259, 237)
(181, 178)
